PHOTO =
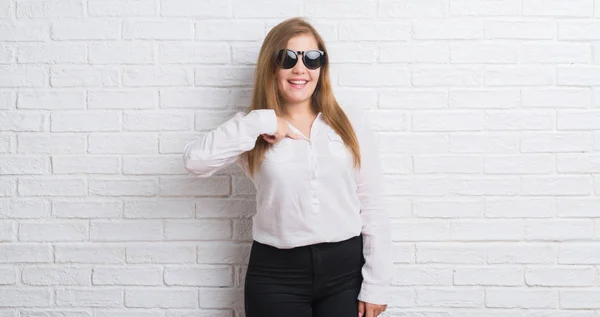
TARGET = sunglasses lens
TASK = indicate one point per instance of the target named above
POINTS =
(313, 59)
(287, 59)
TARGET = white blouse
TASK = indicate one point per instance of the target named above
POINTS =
(307, 190)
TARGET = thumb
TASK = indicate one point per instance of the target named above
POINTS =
(361, 308)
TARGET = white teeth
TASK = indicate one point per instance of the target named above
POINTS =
(298, 82)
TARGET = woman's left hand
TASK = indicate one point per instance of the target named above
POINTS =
(370, 310)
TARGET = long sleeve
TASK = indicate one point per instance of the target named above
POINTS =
(223, 145)
(377, 243)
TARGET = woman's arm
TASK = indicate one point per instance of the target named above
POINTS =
(223, 145)
(377, 243)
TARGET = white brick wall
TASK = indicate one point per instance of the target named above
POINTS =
(487, 113)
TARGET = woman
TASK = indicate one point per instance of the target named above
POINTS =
(322, 244)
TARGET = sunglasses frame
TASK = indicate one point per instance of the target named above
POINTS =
(303, 53)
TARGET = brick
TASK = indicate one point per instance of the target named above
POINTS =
(568, 53)
(8, 187)
(425, 186)
(412, 9)
(340, 9)
(85, 165)
(90, 254)
(122, 99)
(157, 76)
(224, 76)
(24, 208)
(447, 76)
(24, 297)
(161, 298)
(397, 163)
(484, 276)
(127, 276)
(520, 207)
(193, 53)
(519, 30)
(578, 75)
(89, 121)
(19, 31)
(578, 163)
(164, 208)
(52, 187)
(51, 231)
(230, 30)
(447, 120)
(123, 143)
(158, 30)
(49, 9)
(6, 143)
(370, 75)
(57, 99)
(580, 299)
(484, 98)
(559, 276)
(55, 53)
(225, 208)
(8, 231)
(543, 142)
(486, 230)
(438, 164)
(25, 253)
(86, 29)
(519, 76)
(439, 297)
(521, 298)
(563, 185)
(578, 207)
(85, 76)
(204, 276)
(558, 8)
(23, 76)
(212, 186)
(578, 120)
(121, 53)
(447, 29)
(411, 52)
(156, 121)
(88, 209)
(126, 230)
(8, 99)
(175, 142)
(212, 229)
(563, 230)
(504, 120)
(266, 9)
(430, 276)
(445, 253)
(557, 98)
(420, 230)
(374, 31)
(513, 253)
(204, 98)
(585, 30)
(24, 165)
(48, 275)
(482, 186)
(88, 297)
(484, 53)
(118, 8)
(479, 8)
(519, 164)
(8, 276)
(580, 253)
(164, 253)
(20, 121)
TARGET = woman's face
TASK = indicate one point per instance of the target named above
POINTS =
(297, 84)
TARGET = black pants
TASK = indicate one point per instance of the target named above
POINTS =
(321, 280)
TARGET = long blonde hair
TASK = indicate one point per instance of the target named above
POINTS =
(266, 96)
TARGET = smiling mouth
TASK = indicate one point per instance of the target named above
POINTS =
(298, 83)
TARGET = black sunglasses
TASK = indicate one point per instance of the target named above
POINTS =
(312, 59)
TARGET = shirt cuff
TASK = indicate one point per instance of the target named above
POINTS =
(374, 294)
(264, 121)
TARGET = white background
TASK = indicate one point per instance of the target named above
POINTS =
(487, 113)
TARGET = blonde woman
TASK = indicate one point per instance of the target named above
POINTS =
(322, 245)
